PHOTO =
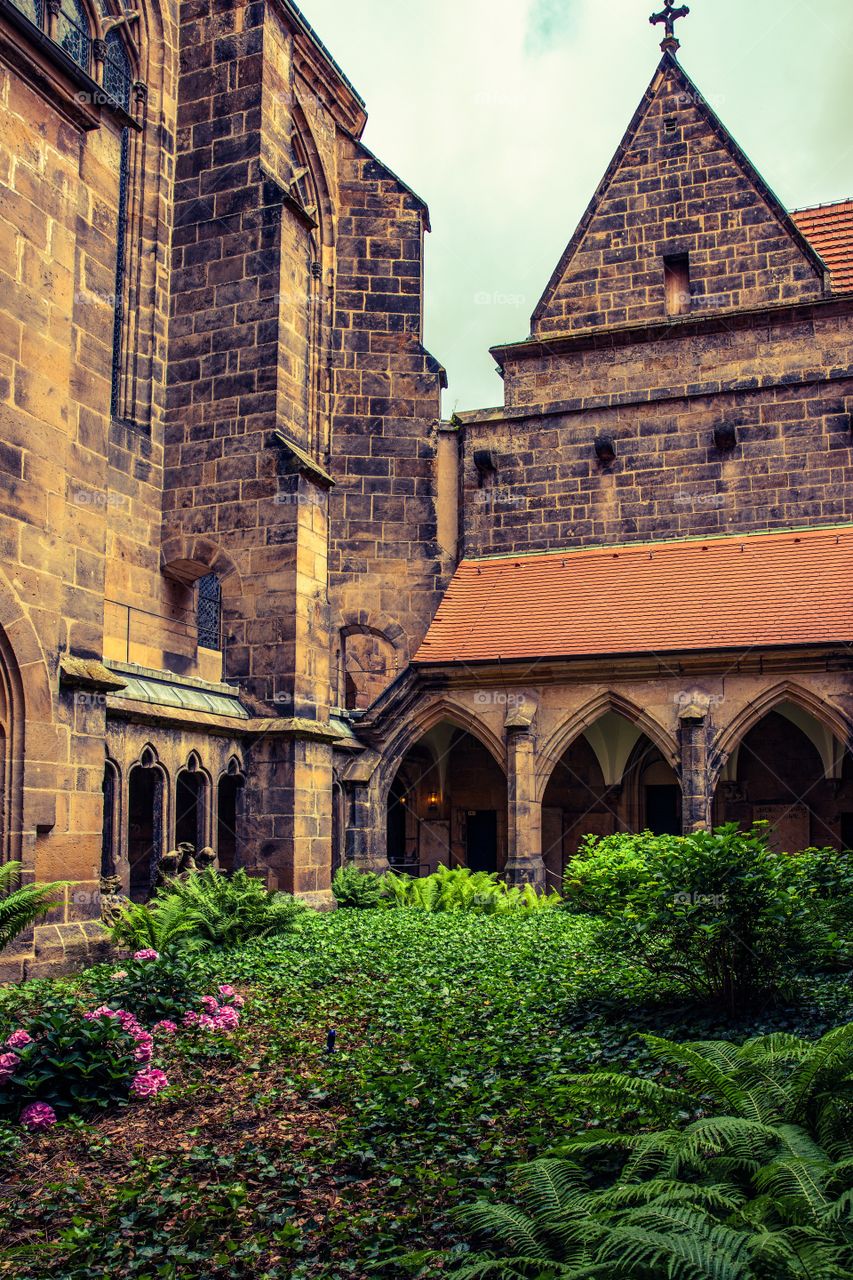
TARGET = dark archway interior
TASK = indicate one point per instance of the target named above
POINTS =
(229, 805)
(144, 840)
(579, 801)
(189, 808)
(448, 804)
(108, 834)
(780, 779)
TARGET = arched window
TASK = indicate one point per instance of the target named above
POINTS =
(108, 832)
(209, 612)
(73, 32)
(118, 79)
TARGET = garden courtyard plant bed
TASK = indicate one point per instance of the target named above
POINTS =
(456, 1038)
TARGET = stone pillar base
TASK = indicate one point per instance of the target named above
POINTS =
(521, 871)
(319, 899)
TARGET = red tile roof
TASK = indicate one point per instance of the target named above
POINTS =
(829, 230)
(731, 592)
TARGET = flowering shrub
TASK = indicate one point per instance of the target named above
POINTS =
(68, 1059)
(153, 985)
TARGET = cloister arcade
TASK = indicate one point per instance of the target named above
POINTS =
(457, 794)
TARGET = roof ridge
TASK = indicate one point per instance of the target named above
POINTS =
(665, 544)
(826, 204)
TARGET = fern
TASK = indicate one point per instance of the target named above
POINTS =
(755, 1194)
(207, 910)
(21, 905)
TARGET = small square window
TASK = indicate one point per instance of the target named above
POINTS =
(676, 271)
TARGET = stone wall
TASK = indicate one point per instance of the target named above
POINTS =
(782, 383)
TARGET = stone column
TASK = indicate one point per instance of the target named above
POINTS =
(695, 798)
(366, 816)
(524, 863)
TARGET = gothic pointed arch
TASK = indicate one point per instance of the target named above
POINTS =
(585, 718)
(835, 723)
(445, 711)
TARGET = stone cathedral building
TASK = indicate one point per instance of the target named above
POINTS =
(256, 594)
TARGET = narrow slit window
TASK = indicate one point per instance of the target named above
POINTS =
(209, 612)
(676, 270)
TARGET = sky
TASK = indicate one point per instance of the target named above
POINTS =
(504, 114)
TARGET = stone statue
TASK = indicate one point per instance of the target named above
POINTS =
(112, 899)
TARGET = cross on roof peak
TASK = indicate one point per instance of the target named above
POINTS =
(670, 43)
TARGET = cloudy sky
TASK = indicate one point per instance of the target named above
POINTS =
(504, 114)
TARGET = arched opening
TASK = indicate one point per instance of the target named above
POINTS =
(612, 777)
(229, 847)
(790, 771)
(144, 828)
(369, 663)
(447, 804)
(338, 826)
(191, 806)
(109, 829)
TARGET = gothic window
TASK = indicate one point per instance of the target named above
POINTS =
(117, 83)
(209, 612)
(33, 9)
(73, 33)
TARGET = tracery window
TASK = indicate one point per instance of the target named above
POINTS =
(73, 32)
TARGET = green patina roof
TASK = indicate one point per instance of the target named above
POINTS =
(142, 685)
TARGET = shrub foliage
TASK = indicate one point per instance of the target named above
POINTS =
(447, 889)
(718, 912)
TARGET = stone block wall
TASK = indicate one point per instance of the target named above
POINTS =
(784, 386)
(387, 570)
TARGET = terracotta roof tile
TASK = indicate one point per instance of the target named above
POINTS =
(789, 588)
(829, 230)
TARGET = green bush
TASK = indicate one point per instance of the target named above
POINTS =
(22, 906)
(758, 1186)
(361, 890)
(206, 910)
(716, 912)
(160, 985)
(828, 880)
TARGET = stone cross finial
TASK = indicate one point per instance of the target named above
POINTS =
(670, 16)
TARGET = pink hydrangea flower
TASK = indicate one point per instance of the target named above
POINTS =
(8, 1061)
(238, 1002)
(227, 1019)
(147, 953)
(38, 1116)
(143, 1053)
(190, 1019)
(165, 1027)
(18, 1039)
(148, 1082)
(206, 1022)
(210, 1004)
(103, 1011)
(226, 992)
